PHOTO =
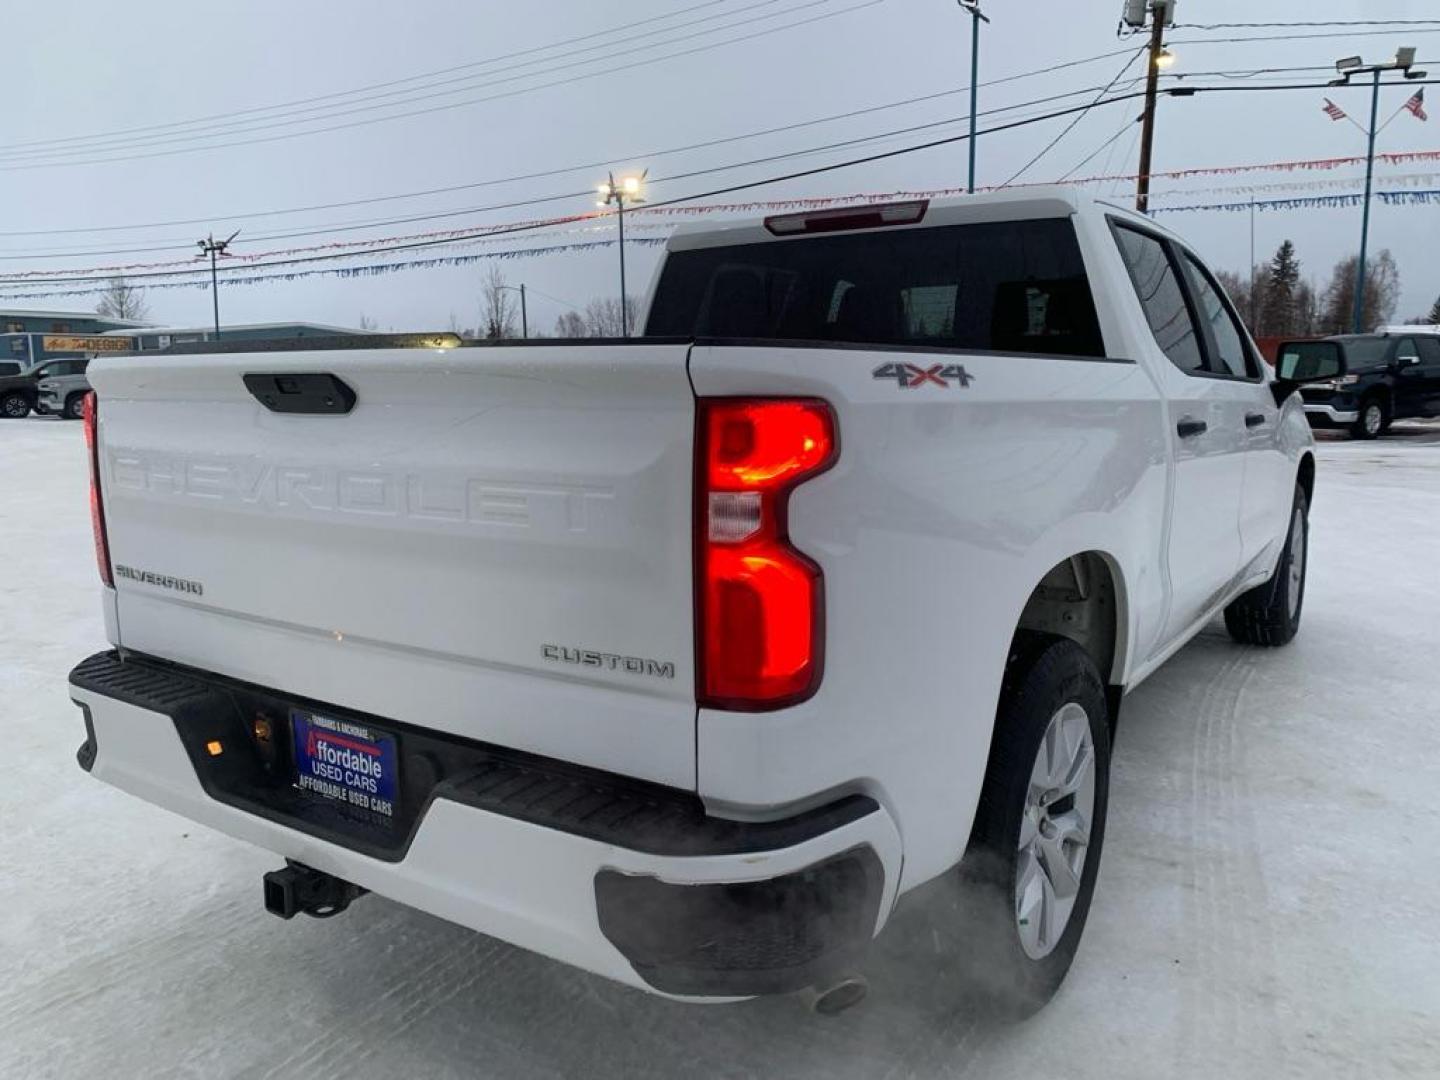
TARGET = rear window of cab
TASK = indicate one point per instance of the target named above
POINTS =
(1010, 287)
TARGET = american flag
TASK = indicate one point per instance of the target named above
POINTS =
(1417, 105)
(1333, 111)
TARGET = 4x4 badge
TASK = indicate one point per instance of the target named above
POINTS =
(911, 376)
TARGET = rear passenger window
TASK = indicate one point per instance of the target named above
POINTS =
(1231, 356)
(1162, 297)
(1429, 352)
(1012, 287)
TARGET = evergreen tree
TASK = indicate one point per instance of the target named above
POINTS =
(1277, 299)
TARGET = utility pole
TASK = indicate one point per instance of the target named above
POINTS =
(628, 188)
(976, 18)
(1349, 67)
(524, 320)
(1161, 12)
(215, 248)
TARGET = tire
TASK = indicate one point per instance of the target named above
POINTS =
(1027, 932)
(1269, 614)
(74, 407)
(14, 406)
(1374, 418)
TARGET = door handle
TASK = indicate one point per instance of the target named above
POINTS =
(1188, 429)
(1254, 419)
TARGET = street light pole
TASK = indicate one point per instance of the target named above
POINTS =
(976, 18)
(1348, 68)
(215, 248)
(1359, 324)
(629, 187)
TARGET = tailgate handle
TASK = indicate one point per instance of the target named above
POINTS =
(293, 392)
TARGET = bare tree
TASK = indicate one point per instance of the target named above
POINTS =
(367, 323)
(1382, 294)
(570, 325)
(121, 300)
(497, 306)
(602, 316)
(1239, 291)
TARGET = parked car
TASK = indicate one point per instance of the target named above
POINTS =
(20, 390)
(17, 389)
(681, 658)
(62, 387)
(1372, 379)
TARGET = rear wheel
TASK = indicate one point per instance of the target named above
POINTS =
(1269, 614)
(1035, 850)
(1374, 418)
(14, 406)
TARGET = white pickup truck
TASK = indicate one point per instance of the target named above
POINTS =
(682, 658)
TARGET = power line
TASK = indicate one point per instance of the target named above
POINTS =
(749, 185)
(540, 200)
(1071, 126)
(1108, 144)
(457, 104)
(105, 144)
(372, 86)
(1296, 37)
(1329, 22)
(592, 165)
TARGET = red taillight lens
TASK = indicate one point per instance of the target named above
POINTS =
(97, 508)
(761, 602)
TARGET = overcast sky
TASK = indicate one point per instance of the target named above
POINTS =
(88, 71)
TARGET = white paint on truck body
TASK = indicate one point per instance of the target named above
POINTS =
(484, 515)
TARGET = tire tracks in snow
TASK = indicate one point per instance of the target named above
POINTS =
(1231, 999)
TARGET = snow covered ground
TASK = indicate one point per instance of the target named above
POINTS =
(1268, 904)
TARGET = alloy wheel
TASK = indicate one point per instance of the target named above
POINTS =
(1055, 831)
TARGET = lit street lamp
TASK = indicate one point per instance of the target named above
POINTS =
(1349, 67)
(627, 189)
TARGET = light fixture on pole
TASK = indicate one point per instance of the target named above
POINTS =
(976, 18)
(1162, 14)
(214, 248)
(627, 190)
(1348, 68)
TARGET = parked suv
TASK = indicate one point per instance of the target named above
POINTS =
(17, 390)
(62, 386)
(1378, 378)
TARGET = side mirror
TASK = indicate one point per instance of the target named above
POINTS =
(1407, 361)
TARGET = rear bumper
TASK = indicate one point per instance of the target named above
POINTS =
(631, 881)
(1329, 416)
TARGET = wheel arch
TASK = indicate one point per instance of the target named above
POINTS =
(1305, 477)
(1083, 598)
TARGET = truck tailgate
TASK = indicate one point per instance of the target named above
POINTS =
(495, 542)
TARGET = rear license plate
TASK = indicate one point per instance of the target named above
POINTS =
(345, 762)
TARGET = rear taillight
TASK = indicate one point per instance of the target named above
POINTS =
(97, 508)
(760, 602)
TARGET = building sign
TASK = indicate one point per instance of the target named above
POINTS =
(86, 343)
